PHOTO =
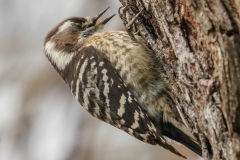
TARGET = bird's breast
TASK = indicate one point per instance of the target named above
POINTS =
(133, 60)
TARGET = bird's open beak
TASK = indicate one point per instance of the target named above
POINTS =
(95, 18)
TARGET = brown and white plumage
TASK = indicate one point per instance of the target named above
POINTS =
(117, 80)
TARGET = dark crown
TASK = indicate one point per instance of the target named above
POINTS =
(86, 26)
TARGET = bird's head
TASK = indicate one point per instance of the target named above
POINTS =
(78, 26)
(64, 39)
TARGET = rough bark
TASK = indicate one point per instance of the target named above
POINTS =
(198, 43)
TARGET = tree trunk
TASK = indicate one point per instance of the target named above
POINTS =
(198, 43)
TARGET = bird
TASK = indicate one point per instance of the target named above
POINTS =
(117, 80)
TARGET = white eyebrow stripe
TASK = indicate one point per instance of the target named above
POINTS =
(64, 26)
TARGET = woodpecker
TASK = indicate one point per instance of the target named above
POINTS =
(117, 80)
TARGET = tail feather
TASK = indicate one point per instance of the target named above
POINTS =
(172, 132)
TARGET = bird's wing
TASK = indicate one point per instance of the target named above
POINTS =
(102, 92)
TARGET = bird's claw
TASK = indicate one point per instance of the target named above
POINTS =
(128, 25)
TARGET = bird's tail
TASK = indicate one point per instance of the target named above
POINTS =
(176, 134)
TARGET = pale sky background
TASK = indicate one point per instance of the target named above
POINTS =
(39, 118)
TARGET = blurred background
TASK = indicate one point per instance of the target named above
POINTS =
(39, 117)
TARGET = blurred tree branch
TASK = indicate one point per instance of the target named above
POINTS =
(198, 43)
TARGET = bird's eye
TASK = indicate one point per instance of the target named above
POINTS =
(85, 34)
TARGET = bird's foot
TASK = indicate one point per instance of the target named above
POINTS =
(122, 11)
